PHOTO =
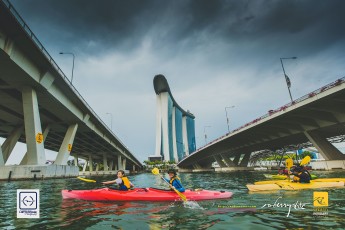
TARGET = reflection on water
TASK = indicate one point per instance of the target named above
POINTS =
(243, 211)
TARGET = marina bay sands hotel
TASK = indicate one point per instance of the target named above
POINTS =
(175, 127)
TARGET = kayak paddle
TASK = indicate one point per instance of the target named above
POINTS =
(305, 160)
(155, 171)
(86, 180)
(288, 163)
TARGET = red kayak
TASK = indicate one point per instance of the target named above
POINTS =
(142, 194)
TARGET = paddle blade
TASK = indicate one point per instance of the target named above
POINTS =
(305, 160)
(86, 180)
(155, 171)
(289, 163)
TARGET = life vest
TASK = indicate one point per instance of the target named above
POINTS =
(125, 185)
(175, 178)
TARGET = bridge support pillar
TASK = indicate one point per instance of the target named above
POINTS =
(196, 166)
(245, 160)
(237, 159)
(97, 167)
(66, 146)
(326, 149)
(85, 165)
(124, 161)
(90, 163)
(133, 168)
(219, 161)
(110, 165)
(24, 161)
(33, 129)
(115, 165)
(119, 162)
(228, 161)
(75, 160)
(105, 162)
(9, 144)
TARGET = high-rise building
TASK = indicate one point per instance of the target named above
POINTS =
(175, 128)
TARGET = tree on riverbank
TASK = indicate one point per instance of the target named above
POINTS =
(278, 157)
(164, 165)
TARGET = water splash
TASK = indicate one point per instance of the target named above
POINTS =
(192, 205)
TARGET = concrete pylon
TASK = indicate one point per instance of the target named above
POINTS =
(33, 129)
(124, 161)
(220, 162)
(245, 160)
(24, 161)
(105, 162)
(85, 165)
(75, 160)
(116, 167)
(325, 148)
(227, 160)
(119, 162)
(66, 146)
(90, 163)
(237, 159)
(111, 165)
(9, 144)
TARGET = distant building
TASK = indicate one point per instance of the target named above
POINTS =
(175, 127)
(155, 158)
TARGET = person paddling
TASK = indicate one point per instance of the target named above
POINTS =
(122, 181)
(174, 181)
(301, 175)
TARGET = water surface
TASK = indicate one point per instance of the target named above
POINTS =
(243, 211)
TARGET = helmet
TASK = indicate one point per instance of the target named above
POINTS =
(172, 171)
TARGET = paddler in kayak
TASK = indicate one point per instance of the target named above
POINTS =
(174, 180)
(301, 175)
(122, 181)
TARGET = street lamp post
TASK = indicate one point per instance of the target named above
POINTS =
(226, 114)
(72, 64)
(287, 79)
(111, 121)
(207, 126)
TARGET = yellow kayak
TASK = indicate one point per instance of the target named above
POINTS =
(283, 177)
(287, 185)
(316, 180)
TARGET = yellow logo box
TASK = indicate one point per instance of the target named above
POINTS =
(320, 199)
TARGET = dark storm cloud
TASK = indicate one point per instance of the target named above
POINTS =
(94, 25)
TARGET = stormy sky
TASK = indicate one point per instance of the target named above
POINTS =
(214, 54)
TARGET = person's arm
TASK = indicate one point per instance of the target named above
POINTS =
(178, 186)
(109, 182)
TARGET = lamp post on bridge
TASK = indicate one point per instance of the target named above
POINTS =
(72, 64)
(226, 114)
(287, 79)
(207, 126)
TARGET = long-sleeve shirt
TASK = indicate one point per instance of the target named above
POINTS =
(177, 184)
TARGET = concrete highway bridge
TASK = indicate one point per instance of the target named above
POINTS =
(310, 120)
(39, 106)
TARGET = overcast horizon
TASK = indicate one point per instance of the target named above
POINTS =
(214, 54)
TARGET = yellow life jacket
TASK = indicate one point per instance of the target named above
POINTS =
(174, 178)
(126, 182)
